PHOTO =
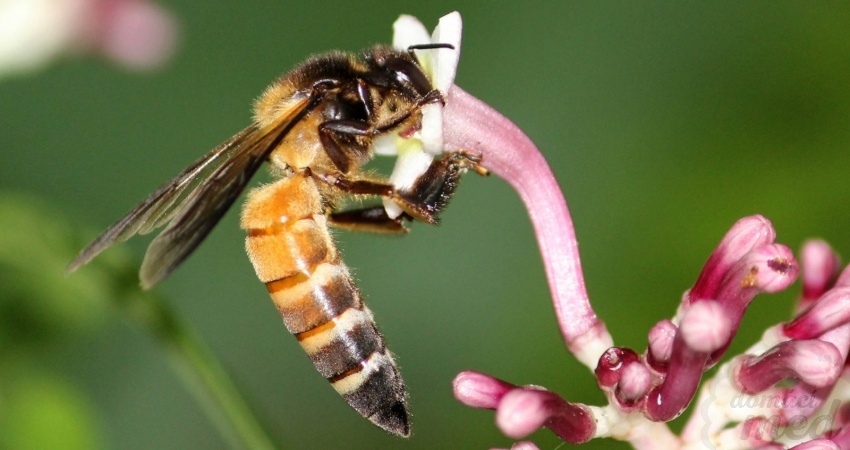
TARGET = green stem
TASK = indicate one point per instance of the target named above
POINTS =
(200, 370)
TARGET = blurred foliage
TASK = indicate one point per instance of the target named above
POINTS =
(664, 122)
(40, 303)
(40, 308)
(40, 411)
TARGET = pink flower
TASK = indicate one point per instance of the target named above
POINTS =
(756, 400)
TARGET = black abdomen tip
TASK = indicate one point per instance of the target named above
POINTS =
(377, 392)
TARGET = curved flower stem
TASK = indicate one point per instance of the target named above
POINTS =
(199, 369)
(472, 125)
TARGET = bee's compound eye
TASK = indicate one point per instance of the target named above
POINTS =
(406, 71)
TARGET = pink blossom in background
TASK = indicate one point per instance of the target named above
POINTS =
(136, 33)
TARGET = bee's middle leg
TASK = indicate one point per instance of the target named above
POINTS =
(374, 219)
(428, 195)
(379, 189)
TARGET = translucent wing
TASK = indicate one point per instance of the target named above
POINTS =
(195, 200)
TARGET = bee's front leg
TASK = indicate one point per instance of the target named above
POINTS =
(433, 189)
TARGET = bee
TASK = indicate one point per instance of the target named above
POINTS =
(315, 126)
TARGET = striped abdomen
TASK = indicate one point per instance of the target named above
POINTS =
(292, 252)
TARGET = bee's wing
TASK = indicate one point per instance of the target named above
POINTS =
(178, 189)
(195, 200)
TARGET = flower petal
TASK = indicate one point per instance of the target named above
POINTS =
(409, 166)
(431, 133)
(444, 61)
(407, 31)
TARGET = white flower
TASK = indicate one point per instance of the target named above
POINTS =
(33, 32)
(416, 152)
(137, 34)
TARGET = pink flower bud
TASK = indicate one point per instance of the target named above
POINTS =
(633, 386)
(813, 362)
(820, 267)
(611, 363)
(829, 311)
(479, 390)
(524, 410)
(661, 338)
(769, 268)
(705, 328)
(747, 234)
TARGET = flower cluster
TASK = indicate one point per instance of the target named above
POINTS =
(783, 392)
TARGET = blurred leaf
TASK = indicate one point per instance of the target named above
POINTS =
(38, 300)
(38, 411)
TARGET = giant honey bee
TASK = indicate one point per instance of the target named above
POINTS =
(315, 126)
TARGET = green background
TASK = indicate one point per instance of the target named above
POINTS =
(664, 123)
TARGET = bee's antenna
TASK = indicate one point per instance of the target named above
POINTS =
(411, 48)
(430, 46)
